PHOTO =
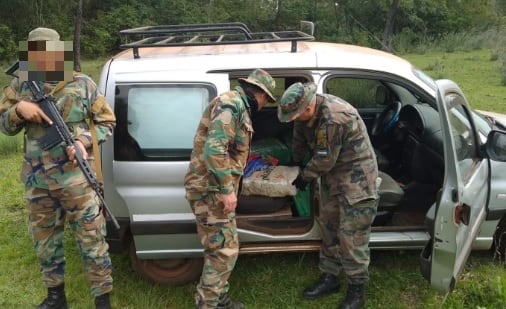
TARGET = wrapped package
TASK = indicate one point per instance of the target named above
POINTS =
(274, 181)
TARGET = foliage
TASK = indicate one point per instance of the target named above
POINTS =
(359, 22)
(8, 47)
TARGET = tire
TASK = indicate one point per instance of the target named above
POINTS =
(167, 271)
(500, 241)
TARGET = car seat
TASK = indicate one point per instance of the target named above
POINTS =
(390, 195)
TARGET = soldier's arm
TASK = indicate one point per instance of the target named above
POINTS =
(101, 114)
(11, 122)
(221, 131)
(299, 144)
(329, 142)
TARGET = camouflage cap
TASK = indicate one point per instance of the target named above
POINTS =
(295, 100)
(263, 80)
(43, 34)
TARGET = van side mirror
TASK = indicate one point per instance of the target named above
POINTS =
(495, 148)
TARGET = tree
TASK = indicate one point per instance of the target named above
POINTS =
(389, 27)
(78, 20)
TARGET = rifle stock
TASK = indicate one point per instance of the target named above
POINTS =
(47, 104)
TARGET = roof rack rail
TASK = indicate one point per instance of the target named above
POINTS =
(206, 34)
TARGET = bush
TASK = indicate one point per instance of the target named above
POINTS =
(8, 48)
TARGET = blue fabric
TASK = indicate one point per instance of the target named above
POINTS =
(254, 165)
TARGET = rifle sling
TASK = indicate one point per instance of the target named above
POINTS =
(91, 125)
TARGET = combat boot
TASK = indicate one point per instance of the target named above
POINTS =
(103, 302)
(327, 284)
(355, 297)
(226, 303)
(55, 298)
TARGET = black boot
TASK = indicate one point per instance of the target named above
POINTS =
(327, 284)
(355, 297)
(226, 303)
(103, 302)
(55, 298)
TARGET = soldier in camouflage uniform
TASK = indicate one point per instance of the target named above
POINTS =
(220, 152)
(56, 188)
(333, 133)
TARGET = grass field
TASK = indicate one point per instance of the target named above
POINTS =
(475, 72)
(263, 281)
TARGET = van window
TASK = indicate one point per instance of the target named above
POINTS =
(464, 139)
(158, 122)
(361, 93)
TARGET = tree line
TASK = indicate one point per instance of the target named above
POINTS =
(95, 24)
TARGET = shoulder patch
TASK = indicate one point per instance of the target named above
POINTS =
(322, 148)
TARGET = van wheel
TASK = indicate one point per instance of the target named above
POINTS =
(167, 271)
(500, 241)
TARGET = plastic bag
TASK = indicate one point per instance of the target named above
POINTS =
(274, 181)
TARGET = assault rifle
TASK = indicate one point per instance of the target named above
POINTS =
(58, 132)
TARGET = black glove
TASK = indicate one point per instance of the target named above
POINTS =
(300, 183)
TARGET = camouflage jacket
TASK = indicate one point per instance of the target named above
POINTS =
(341, 152)
(221, 145)
(79, 101)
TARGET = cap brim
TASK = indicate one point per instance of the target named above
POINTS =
(261, 86)
(288, 117)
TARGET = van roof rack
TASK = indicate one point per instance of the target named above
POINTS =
(207, 34)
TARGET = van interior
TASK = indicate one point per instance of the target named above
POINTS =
(408, 146)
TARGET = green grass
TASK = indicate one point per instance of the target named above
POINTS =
(262, 281)
(477, 74)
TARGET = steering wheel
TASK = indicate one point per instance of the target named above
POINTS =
(386, 119)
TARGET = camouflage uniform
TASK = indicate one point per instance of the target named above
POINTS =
(55, 188)
(343, 156)
(220, 153)
(216, 167)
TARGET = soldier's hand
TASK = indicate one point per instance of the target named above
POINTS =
(229, 202)
(300, 183)
(32, 112)
(71, 152)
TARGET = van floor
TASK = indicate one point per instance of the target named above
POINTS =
(417, 200)
(280, 222)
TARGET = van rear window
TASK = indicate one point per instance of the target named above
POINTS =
(158, 121)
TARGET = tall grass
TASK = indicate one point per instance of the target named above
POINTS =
(407, 42)
(494, 40)
(11, 144)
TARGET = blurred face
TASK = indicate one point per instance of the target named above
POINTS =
(262, 99)
(45, 60)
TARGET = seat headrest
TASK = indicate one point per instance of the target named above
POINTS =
(381, 95)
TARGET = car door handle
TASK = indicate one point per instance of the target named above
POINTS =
(462, 214)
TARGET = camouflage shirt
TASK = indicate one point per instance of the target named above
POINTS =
(221, 145)
(78, 102)
(341, 152)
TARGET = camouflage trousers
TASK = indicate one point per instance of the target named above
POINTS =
(345, 237)
(218, 235)
(47, 211)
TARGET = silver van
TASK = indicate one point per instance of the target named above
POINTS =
(443, 188)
